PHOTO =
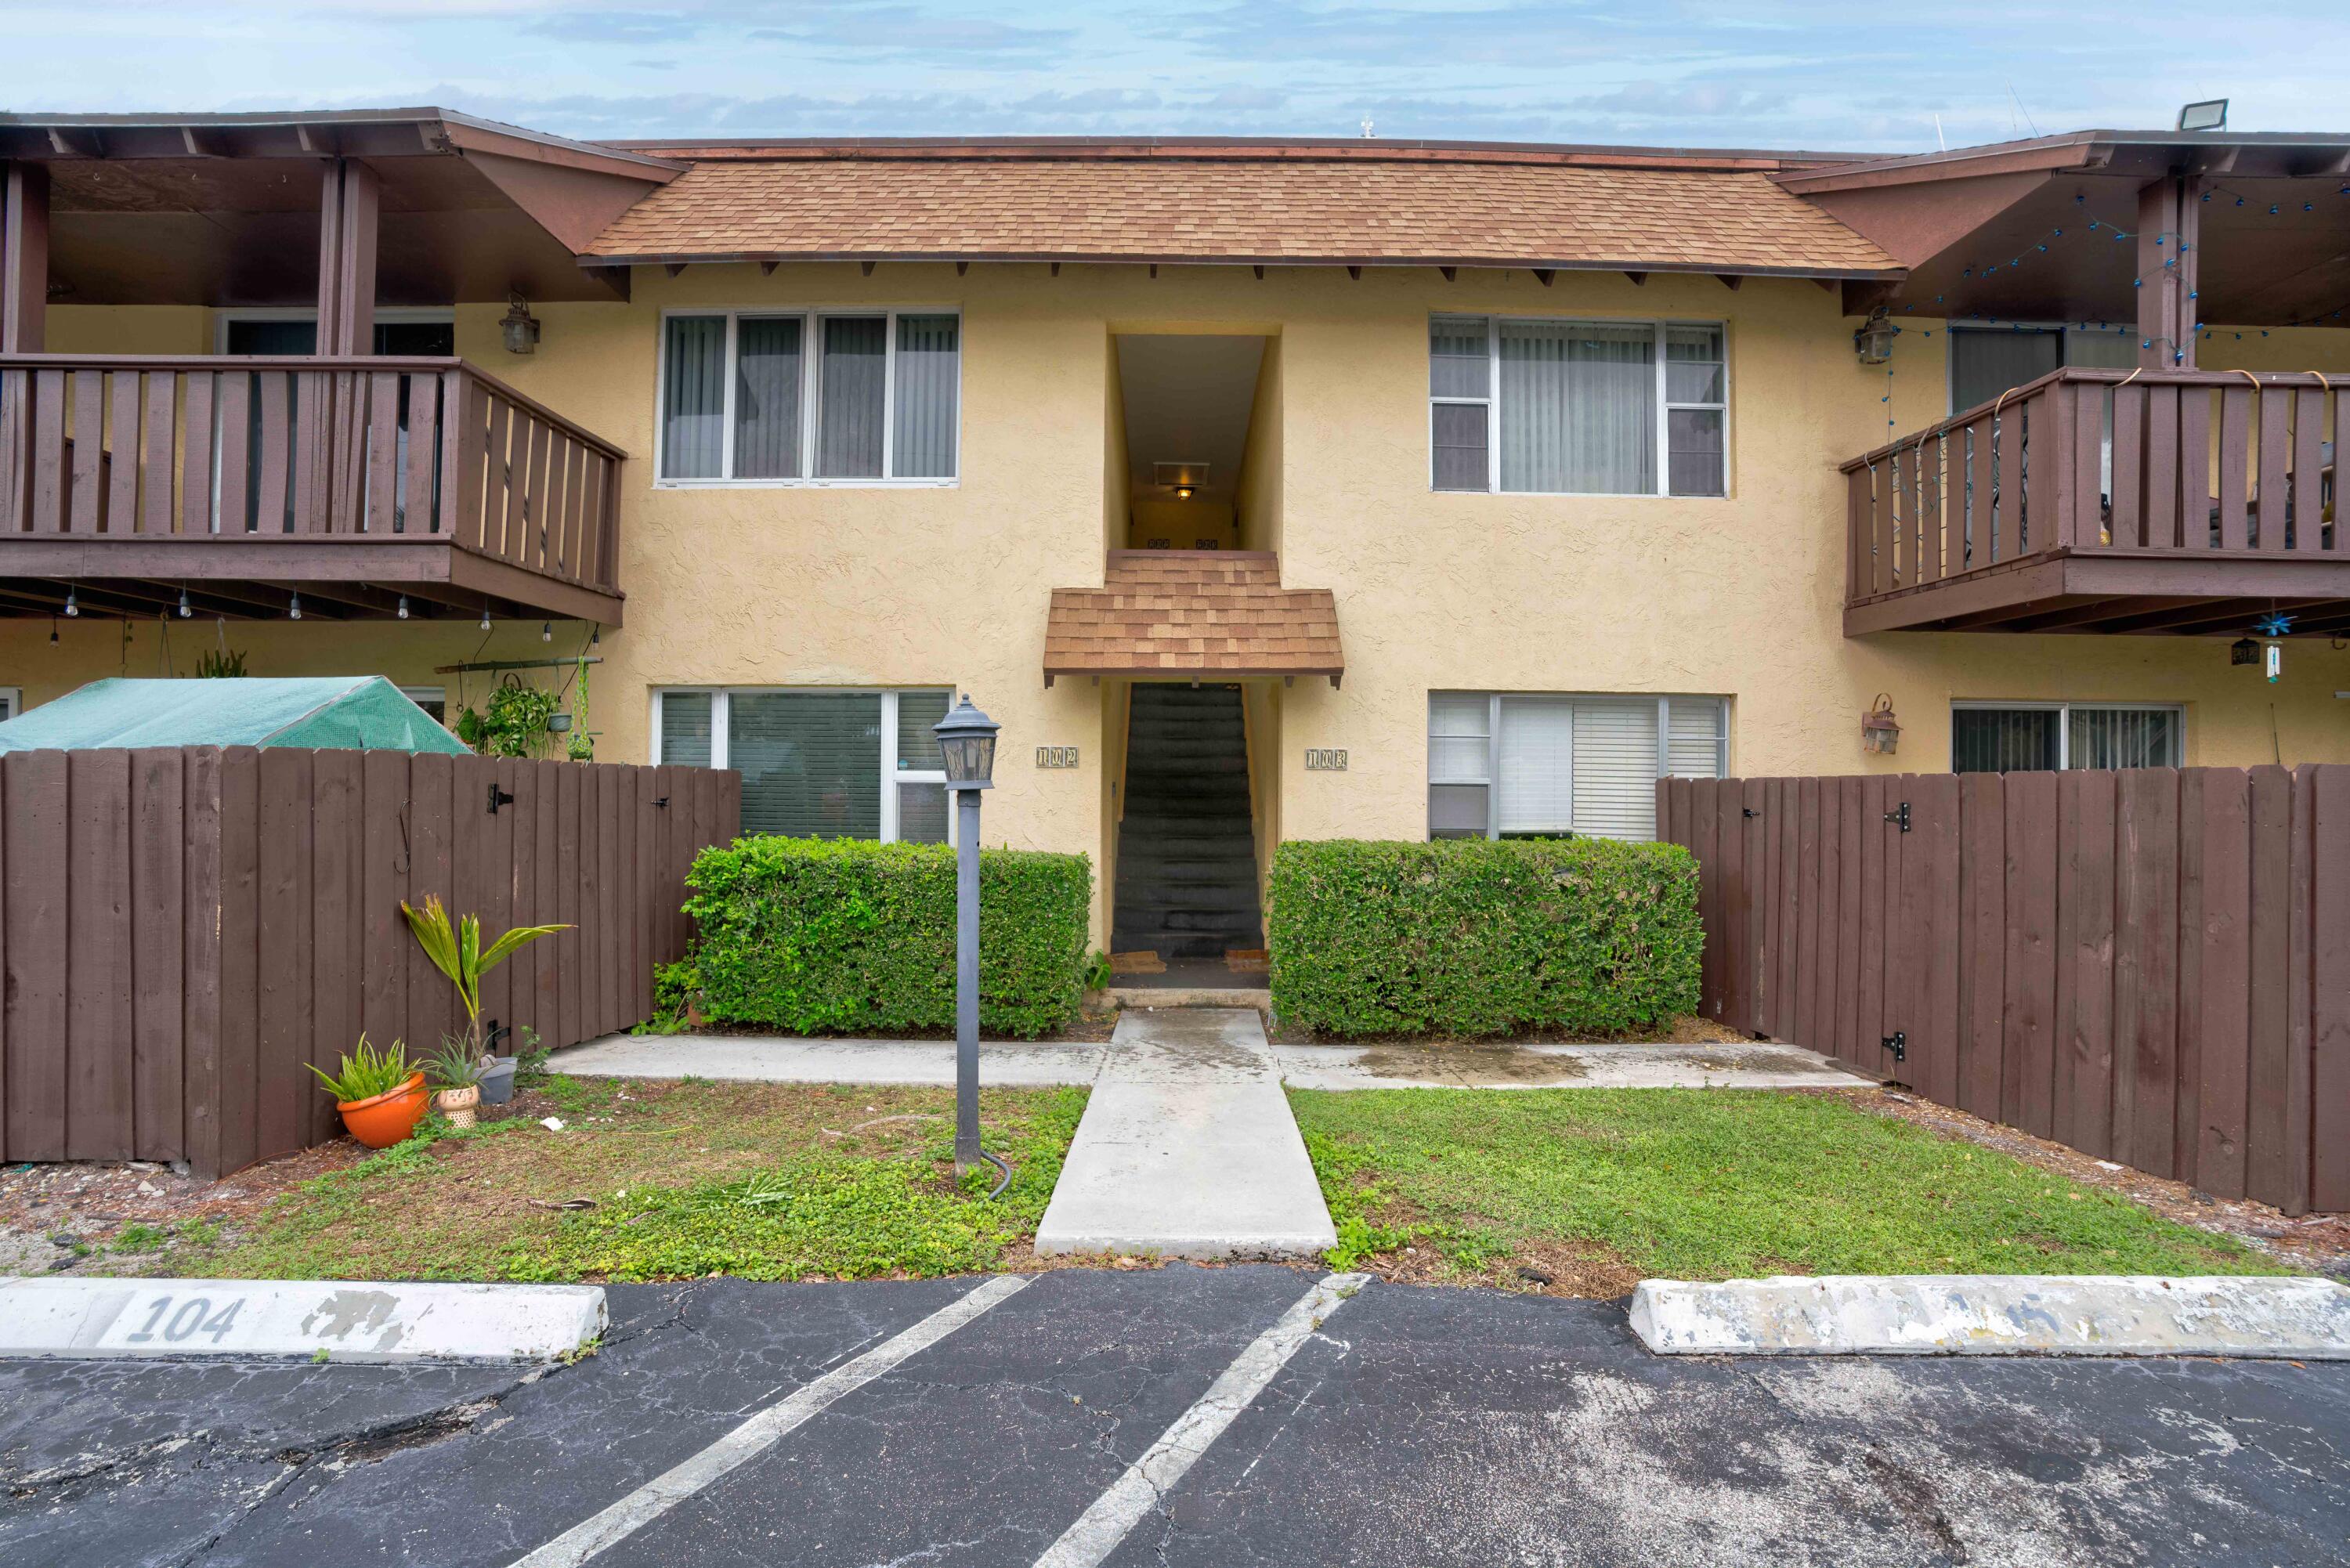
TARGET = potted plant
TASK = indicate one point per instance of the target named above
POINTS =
(455, 1072)
(456, 951)
(380, 1095)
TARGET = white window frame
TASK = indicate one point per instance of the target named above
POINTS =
(1491, 782)
(420, 695)
(12, 698)
(811, 318)
(2064, 711)
(1492, 401)
(891, 774)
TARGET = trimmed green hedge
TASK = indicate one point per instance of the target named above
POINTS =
(832, 936)
(1470, 937)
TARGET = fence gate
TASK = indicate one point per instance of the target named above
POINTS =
(2151, 965)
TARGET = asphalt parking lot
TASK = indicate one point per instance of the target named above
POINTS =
(1413, 1426)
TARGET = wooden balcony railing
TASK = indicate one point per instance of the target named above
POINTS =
(2197, 466)
(284, 449)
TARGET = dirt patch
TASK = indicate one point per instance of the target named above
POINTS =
(1583, 1270)
(2318, 1243)
(1482, 1064)
(1687, 1030)
(1091, 1027)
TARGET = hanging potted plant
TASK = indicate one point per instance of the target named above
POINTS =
(455, 1072)
(380, 1095)
(456, 951)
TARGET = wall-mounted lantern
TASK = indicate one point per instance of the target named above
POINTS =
(518, 327)
(2242, 651)
(1873, 341)
(1880, 732)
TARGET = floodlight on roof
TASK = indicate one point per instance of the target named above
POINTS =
(2210, 114)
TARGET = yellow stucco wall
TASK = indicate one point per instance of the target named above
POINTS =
(1739, 596)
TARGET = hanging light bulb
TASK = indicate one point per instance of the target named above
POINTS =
(53, 628)
(184, 611)
(296, 612)
(71, 608)
(403, 607)
(486, 618)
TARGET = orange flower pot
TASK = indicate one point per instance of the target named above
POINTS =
(382, 1120)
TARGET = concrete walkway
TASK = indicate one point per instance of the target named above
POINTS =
(786, 1059)
(1187, 1148)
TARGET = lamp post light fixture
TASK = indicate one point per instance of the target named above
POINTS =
(967, 740)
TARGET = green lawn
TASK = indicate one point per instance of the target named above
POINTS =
(1600, 1187)
(764, 1182)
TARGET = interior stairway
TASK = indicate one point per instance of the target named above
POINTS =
(1186, 854)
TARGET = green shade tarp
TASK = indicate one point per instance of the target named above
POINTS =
(341, 712)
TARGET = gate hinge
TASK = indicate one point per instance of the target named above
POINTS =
(1901, 815)
(1750, 811)
(1898, 1044)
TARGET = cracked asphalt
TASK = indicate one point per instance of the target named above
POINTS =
(1418, 1425)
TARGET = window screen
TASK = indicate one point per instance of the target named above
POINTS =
(811, 763)
(685, 728)
(1985, 739)
(1985, 364)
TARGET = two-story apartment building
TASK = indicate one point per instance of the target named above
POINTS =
(1257, 488)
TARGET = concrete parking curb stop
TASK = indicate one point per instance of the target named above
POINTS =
(287, 1319)
(1997, 1315)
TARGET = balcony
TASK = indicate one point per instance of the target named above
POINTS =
(2173, 502)
(371, 487)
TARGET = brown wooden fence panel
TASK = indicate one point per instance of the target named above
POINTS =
(183, 931)
(2152, 965)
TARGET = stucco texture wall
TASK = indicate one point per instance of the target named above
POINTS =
(1738, 596)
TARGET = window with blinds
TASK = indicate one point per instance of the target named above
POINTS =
(1541, 764)
(817, 765)
(2046, 737)
(1577, 408)
(770, 398)
(1988, 360)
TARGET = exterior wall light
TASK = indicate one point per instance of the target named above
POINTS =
(967, 739)
(518, 327)
(1880, 732)
(2243, 651)
(1873, 341)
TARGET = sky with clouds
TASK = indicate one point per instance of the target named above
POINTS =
(1826, 74)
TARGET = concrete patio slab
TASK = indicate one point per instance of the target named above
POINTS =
(789, 1059)
(2287, 1317)
(1187, 1148)
(272, 1319)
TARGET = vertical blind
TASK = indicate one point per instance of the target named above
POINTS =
(2077, 736)
(1543, 764)
(767, 377)
(693, 398)
(927, 371)
(822, 397)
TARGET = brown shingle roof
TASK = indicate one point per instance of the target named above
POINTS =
(1303, 207)
(1192, 612)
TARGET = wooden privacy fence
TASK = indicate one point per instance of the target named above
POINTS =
(183, 928)
(2151, 965)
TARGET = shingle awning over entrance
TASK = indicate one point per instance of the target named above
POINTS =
(1192, 612)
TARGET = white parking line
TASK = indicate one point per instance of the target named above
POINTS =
(1100, 1528)
(759, 1433)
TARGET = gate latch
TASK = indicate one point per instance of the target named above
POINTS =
(499, 797)
(1898, 1044)
(1899, 816)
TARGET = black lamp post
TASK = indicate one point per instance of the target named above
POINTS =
(967, 737)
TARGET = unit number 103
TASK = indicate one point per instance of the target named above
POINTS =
(1319, 760)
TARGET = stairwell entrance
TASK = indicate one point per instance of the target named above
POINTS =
(1186, 886)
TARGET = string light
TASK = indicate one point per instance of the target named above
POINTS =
(184, 611)
(403, 607)
(294, 612)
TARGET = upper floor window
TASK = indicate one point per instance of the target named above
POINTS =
(812, 396)
(1988, 360)
(1577, 408)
